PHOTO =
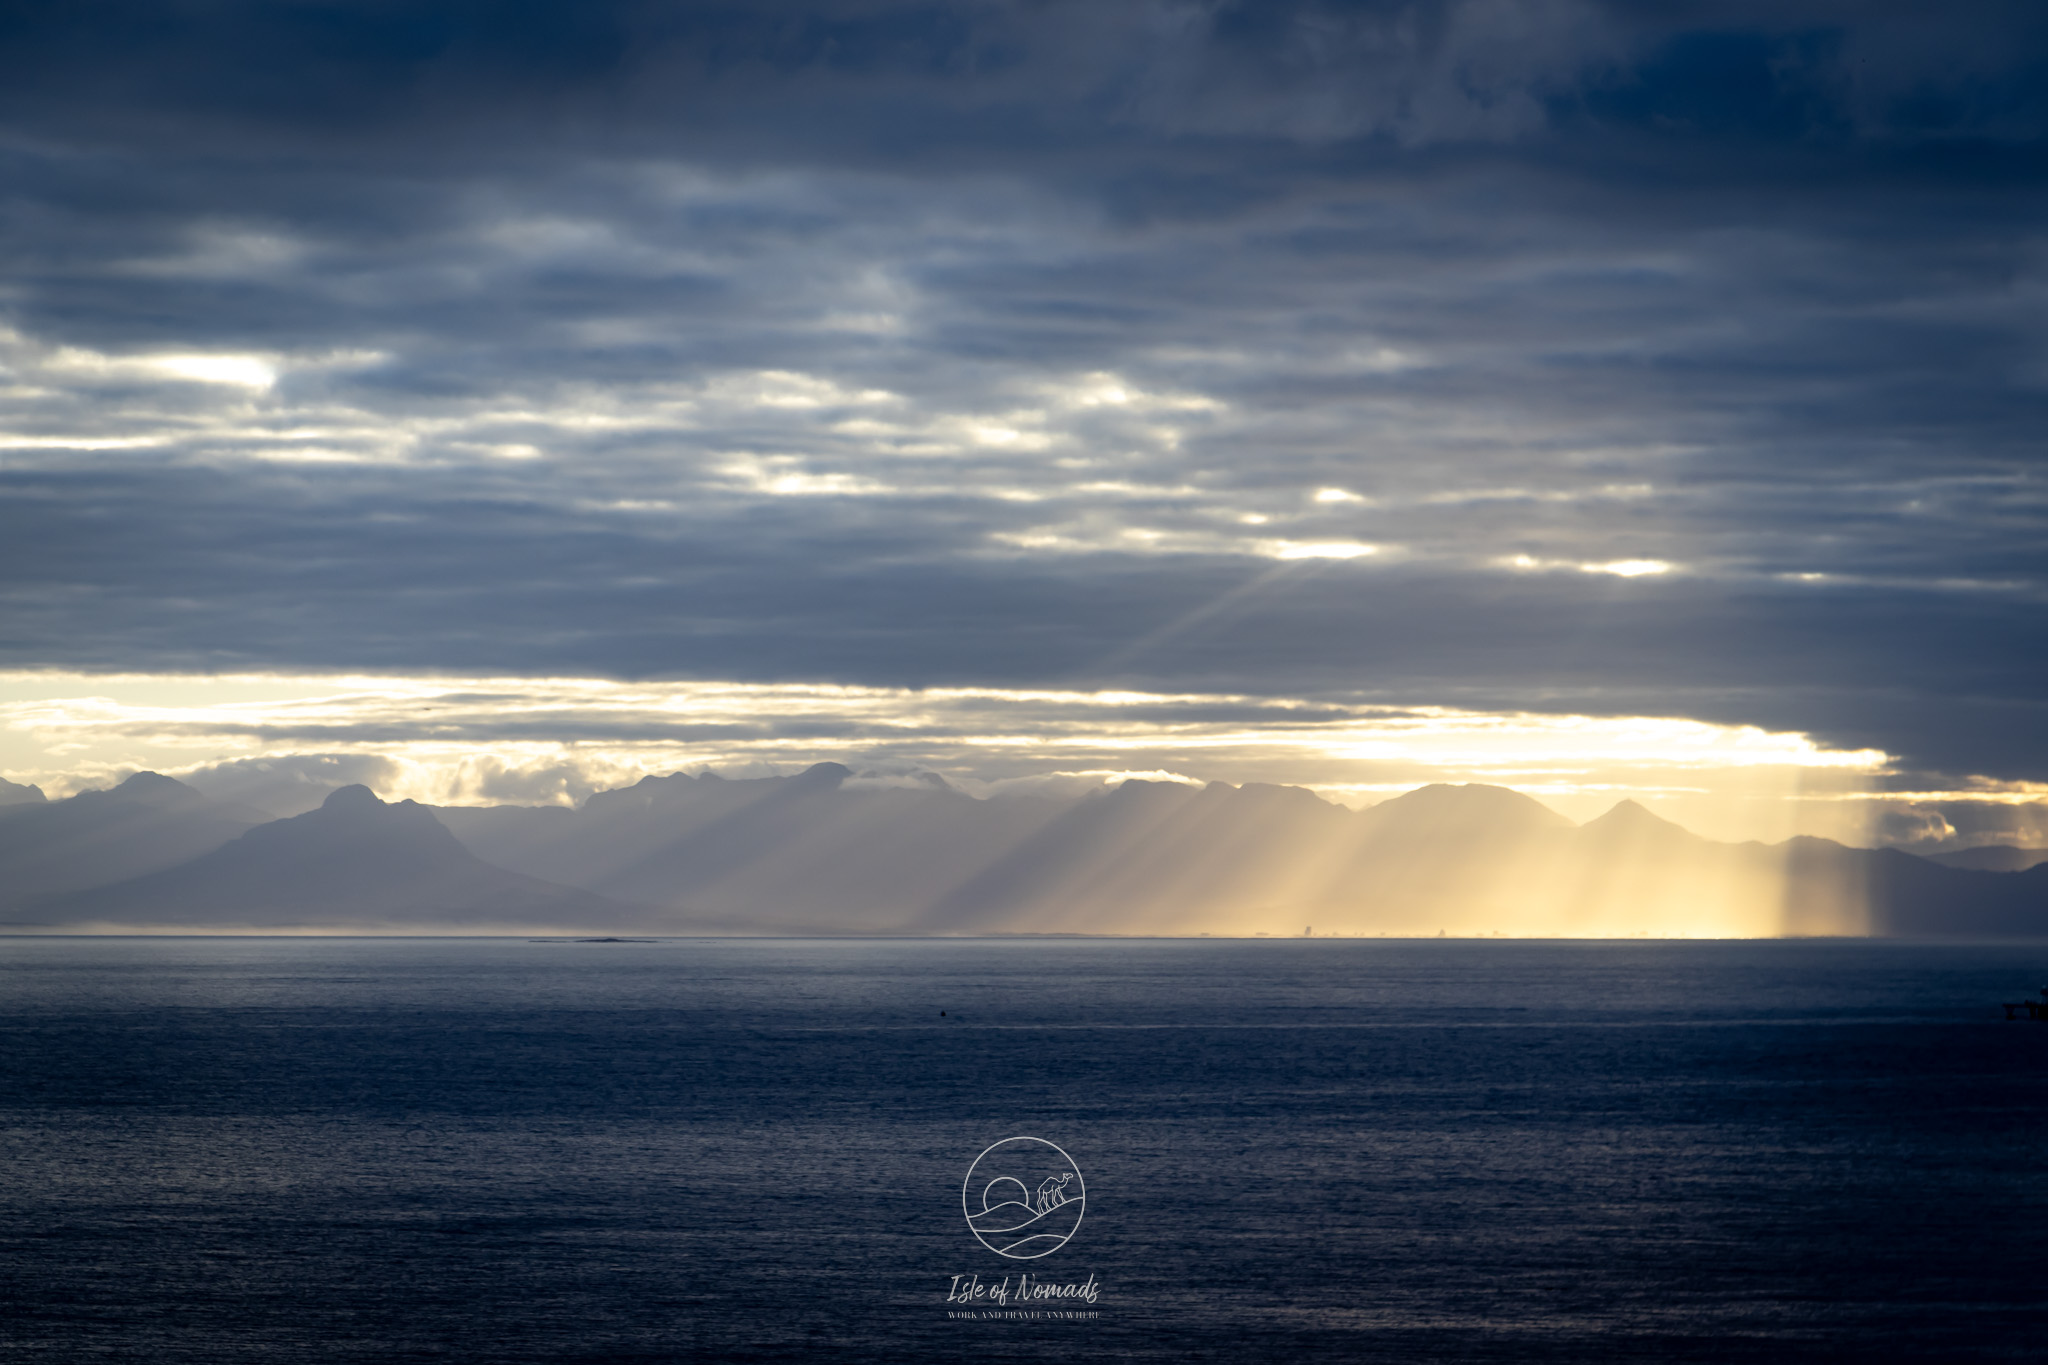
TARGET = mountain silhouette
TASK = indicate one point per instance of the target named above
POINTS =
(821, 853)
(1150, 857)
(1996, 858)
(17, 794)
(830, 851)
(1632, 823)
(148, 823)
(1472, 811)
(357, 861)
(1913, 897)
(807, 853)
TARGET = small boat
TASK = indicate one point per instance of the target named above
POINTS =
(2036, 1009)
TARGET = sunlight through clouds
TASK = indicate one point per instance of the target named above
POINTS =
(567, 737)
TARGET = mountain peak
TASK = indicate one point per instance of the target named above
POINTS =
(1633, 820)
(357, 859)
(1629, 812)
(152, 789)
(1476, 801)
(150, 782)
(353, 797)
(1146, 789)
(20, 794)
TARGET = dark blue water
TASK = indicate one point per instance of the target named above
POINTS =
(341, 1151)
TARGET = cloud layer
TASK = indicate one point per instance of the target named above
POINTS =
(1570, 359)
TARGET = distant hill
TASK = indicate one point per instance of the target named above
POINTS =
(148, 823)
(356, 862)
(1996, 858)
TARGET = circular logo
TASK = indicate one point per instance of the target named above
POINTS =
(1023, 1198)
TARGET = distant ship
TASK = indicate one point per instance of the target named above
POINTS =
(2036, 1009)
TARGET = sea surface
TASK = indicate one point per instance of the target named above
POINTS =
(332, 1150)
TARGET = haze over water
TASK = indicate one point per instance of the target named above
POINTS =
(367, 1150)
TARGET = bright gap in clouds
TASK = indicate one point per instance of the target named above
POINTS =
(1317, 549)
(248, 371)
(554, 740)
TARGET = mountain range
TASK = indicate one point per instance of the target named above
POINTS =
(822, 853)
(356, 864)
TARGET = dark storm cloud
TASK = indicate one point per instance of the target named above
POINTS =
(919, 344)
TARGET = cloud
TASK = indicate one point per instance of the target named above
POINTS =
(289, 784)
(1569, 359)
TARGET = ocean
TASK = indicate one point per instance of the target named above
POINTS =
(373, 1150)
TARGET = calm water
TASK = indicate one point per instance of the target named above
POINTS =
(323, 1150)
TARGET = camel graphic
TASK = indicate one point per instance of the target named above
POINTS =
(1052, 1193)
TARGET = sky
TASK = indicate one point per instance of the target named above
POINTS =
(500, 401)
